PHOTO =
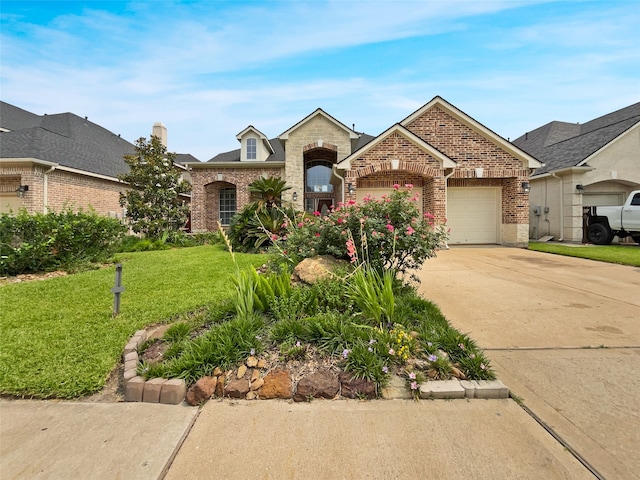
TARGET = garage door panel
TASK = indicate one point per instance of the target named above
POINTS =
(473, 215)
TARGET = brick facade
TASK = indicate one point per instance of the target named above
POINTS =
(457, 152)
(59, 189)
(205, 192)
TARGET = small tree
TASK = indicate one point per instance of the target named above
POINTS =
(153, 203)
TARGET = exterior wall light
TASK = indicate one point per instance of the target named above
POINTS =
(295, 196)
(350, 188)
(525, 187)
(21, 189)
(580, 188)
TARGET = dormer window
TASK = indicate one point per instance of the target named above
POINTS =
(252, 146)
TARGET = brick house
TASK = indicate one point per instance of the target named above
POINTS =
(49, 162)
(593, 163)
(467, 175)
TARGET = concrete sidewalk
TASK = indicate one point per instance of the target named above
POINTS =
(381, 439)
(75, 440)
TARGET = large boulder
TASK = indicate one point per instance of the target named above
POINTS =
(311, 270)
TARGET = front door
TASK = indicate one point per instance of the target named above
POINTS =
(324, 205)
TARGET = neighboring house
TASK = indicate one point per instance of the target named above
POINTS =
(596, 163)
(49, 162)
(466, 174)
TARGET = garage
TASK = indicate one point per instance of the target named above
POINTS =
(472, 215)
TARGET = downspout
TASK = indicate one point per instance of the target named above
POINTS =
(335, 172)
(446, 190)
(561, 206)
(45, 188)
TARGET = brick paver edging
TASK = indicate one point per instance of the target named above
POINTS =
(173, 391)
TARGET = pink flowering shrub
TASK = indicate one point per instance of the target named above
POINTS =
(389, 233)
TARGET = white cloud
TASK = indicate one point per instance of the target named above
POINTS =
(208, 70)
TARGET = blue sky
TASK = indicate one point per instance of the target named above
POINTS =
(208, 69)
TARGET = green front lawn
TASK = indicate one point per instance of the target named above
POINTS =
(58, 338)
(622, 254)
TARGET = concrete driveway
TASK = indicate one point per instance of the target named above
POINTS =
(562, 333)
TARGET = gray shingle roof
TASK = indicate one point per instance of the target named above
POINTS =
(64, 138)
(234, 155)
(14, 118)
(279, 154)
(561, 145)
(183, 158)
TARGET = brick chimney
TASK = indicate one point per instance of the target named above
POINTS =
(160, 131)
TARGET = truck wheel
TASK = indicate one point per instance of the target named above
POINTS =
(636, 238)
(599, 234)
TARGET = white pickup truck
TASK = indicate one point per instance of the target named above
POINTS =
(604, 223)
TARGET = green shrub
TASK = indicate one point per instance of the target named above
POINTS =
(301, 302)
(389, 233)
(45, 242)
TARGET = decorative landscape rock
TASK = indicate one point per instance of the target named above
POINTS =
(310, 270)
(321, 384)
(237, 388)
(241, 371)
(277, 384)
(351, 387)
(201, 390)
(220, 386)
(257, 384)
(252, 362)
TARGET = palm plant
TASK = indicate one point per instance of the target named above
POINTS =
(256, 225)
(267, 192)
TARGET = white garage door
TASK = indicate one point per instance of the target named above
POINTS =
(377, 193)
(472, 215)
(604, 199)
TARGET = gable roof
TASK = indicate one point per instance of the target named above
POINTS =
(562, 145)
(473, 124)
(409, 135)
(276, 144)
(65, 139)
(234, 155)
(261, 135)
(285, 135)
(14, 118)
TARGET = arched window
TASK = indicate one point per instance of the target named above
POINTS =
(227, 204)
(252, 148)
(318, 175)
